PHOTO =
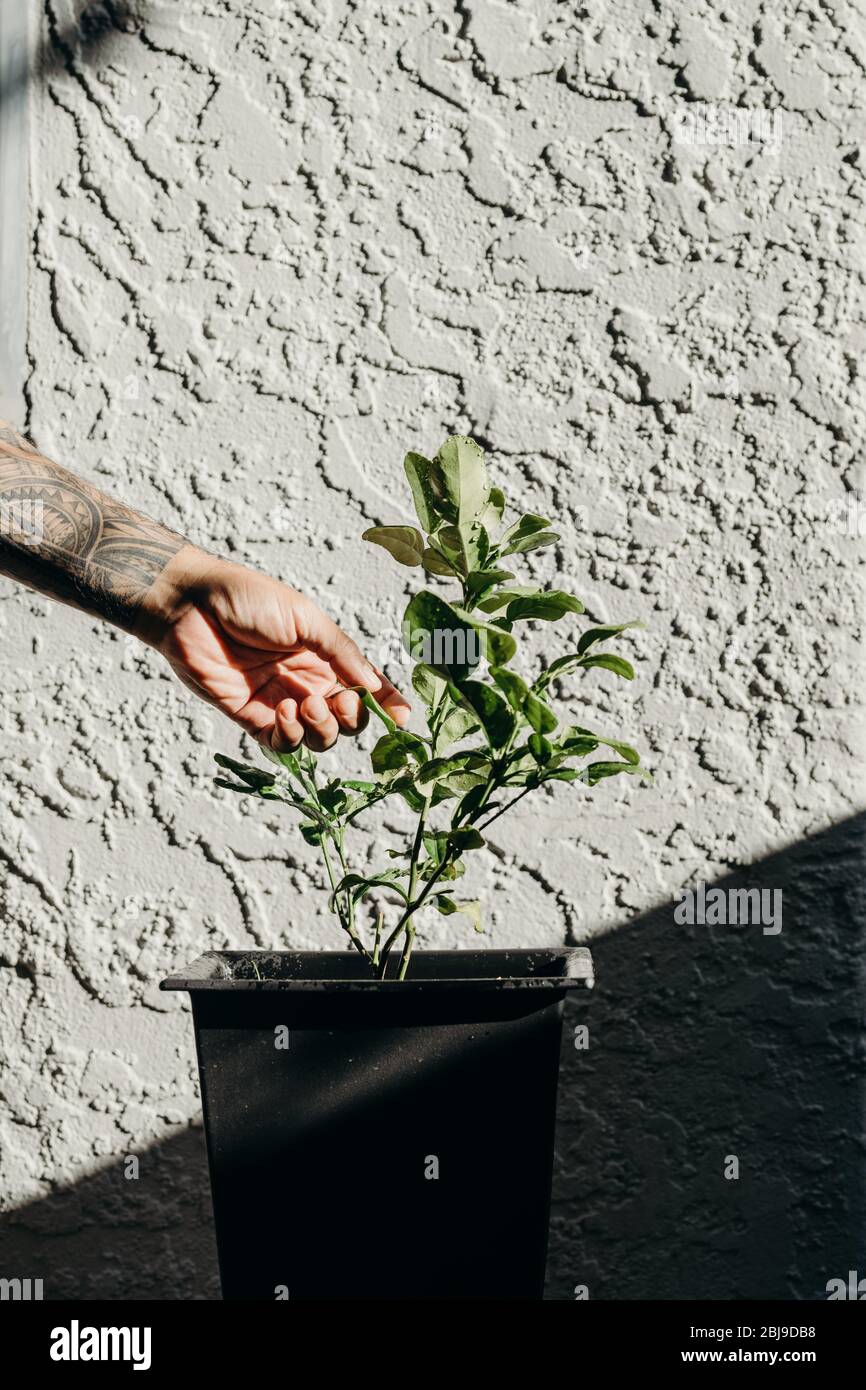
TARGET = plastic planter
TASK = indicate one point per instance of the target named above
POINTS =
(381, 1140)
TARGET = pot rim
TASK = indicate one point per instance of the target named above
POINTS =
(550, 968)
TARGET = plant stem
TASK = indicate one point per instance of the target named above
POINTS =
(380, 918)
(410, 911)
(405, 921)
(339, 841)
(507, 807)
(406, 918)
(346, 924)
(417, 843)
(407, 951)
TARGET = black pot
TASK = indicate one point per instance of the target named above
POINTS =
(381, 1140)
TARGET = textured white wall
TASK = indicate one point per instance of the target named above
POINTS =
(273, 246)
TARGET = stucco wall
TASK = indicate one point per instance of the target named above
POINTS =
(273, 246)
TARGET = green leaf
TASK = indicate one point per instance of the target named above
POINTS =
(418, 469)
(528, 533)
(601, 634)
(431, 771)
(475, 545)
(556, 670)
(307, 759)
(403, 542)
(427, 684)
(539, 715)
(492, 514)
(607, 662)
(465, 837)
(496, 644)
(493, 712)
(524, 543)
(513, 687)
(405, 786)
(447, 906)
(548, 605)
(234, 786)
(479, 582)
(370, 702)
(438, 768)
(461, 462)
(436, 845)
(565, 664)
(441, 844)
(458, 783)
(365, 800)
(470, 803)
(595, 772)
(311, 832)
(288, 760)
(334, 797)
(580, 746)
(394, 750)
(575, 734)
(490, 603)
(471, 908)
(453, 871)
(449, 543)
(541, 750)
(254, 777)
(456, 725)
(434, 563)
(359, 885)
(435, 633)
(530, 524)
(389, 754)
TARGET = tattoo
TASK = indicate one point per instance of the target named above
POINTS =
(64, 537)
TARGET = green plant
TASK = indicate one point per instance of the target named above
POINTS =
(517, 744)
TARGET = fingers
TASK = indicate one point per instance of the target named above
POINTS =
(288, 731)
(318, 720)
(320, 725)
(351, 715)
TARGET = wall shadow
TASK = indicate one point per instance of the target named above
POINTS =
(704, 1042)
(98, 21)
(715, 1041)
(112, 1237)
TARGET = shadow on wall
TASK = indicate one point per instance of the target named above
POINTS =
(97, 21)
(714, 1041)
(114, 1237)
(705, 1043)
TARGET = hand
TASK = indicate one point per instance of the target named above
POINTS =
(264, 654)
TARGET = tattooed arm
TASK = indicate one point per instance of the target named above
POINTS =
(262, 653)
(63, 537)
